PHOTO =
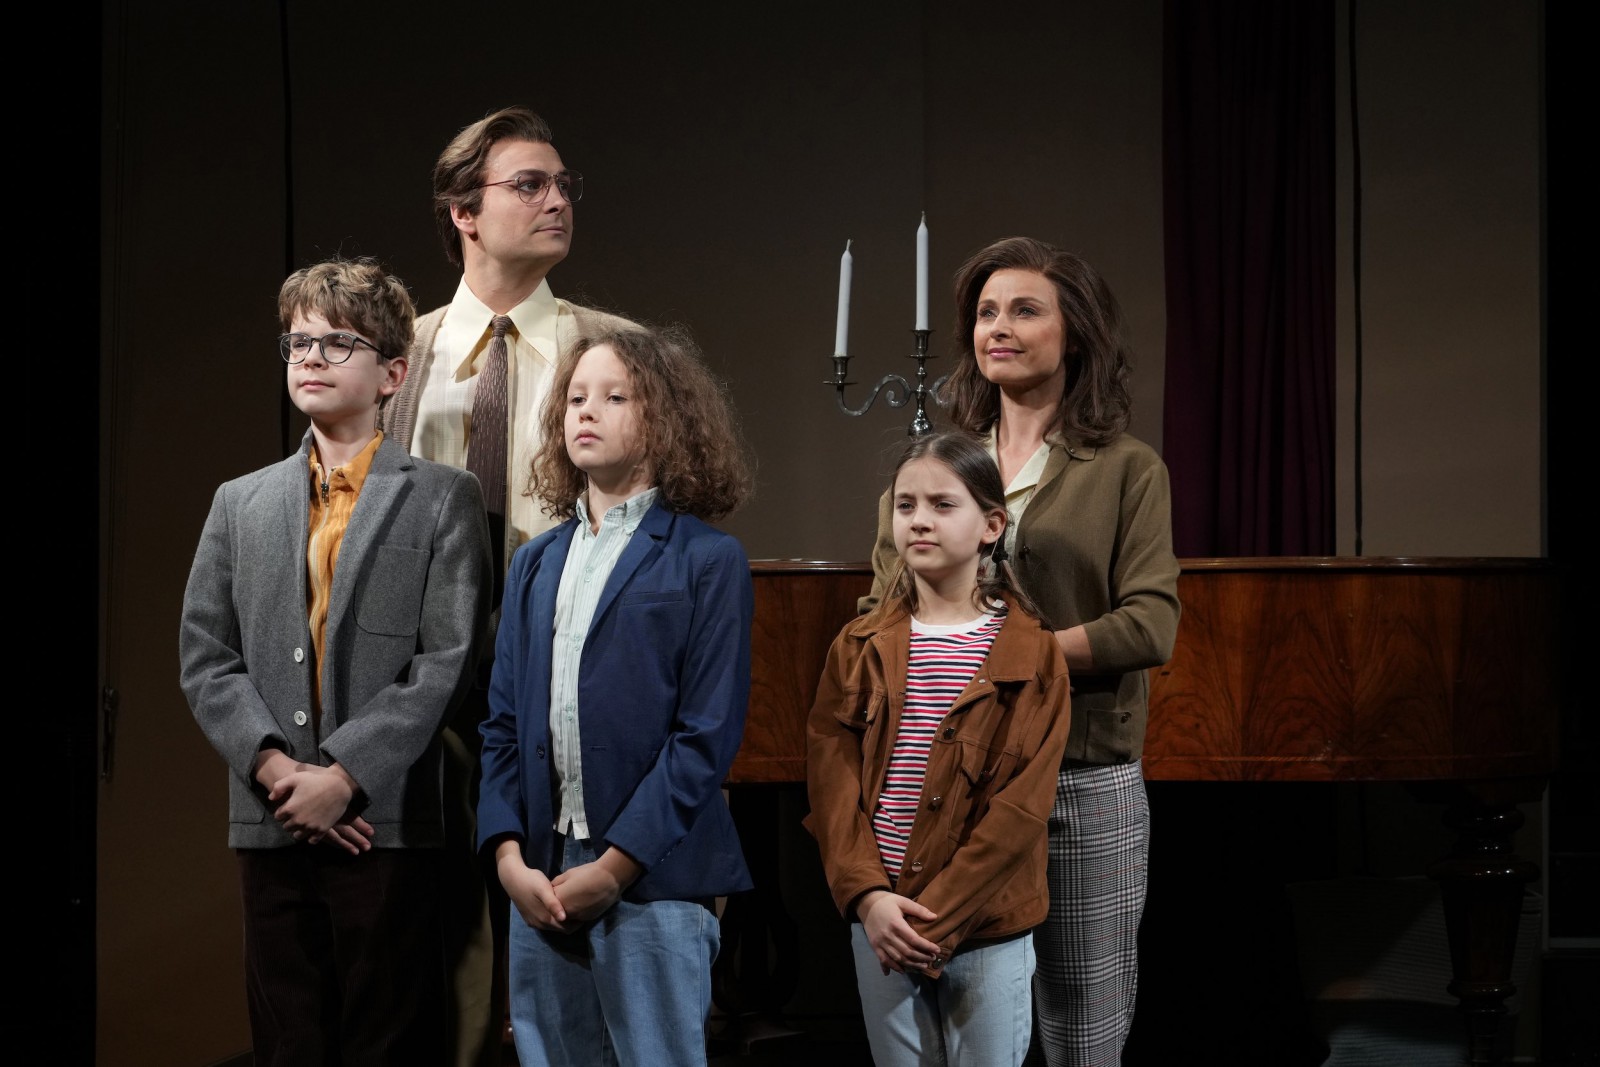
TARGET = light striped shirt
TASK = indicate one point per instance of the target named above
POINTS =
(590, 561)
(940, 663)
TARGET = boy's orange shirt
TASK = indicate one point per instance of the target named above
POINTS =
(333, 500)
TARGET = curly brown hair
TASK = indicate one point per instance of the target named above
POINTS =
(1096, 406)
(691, 437)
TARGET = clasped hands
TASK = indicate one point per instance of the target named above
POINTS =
(573, 898)
(898, 947)
(313, 802)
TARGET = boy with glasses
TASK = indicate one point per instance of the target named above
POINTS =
(330, 624)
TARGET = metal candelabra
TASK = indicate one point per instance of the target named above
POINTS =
(921, 391)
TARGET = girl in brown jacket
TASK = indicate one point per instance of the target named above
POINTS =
(933, 746)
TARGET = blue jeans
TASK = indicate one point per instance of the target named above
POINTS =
(632, 989)
(979, 1013)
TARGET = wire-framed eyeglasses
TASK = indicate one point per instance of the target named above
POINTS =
(534, 185)
(336, 347)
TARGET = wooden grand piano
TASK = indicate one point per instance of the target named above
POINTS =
(1439, 673)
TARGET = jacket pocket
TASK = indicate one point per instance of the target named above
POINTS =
(862, 708)
(390, 599)
(985, 767)
(660, 596)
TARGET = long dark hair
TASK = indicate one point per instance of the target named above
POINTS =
(1095, 404)
(965, 457)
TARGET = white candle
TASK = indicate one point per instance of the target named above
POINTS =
(841, 331)
(922, 273)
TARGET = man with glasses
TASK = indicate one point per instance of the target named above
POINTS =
(480, 366)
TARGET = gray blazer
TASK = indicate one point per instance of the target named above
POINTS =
(408, 609)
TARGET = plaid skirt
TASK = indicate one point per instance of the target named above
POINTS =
(1088, 952)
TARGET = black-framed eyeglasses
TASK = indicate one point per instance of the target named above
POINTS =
(337, 346)
(534, 186)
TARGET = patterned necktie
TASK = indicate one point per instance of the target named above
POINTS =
(486, 449)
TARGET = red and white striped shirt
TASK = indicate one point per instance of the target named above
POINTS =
(940, 663)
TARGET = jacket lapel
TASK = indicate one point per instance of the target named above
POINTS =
(1055, 463)
(1012, 658)
(642, 547)
(1062, 455)
(380, 492)
(1014, 654)
(296, 512)
(542, 594)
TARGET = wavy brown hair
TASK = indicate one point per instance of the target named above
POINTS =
(1095, 403)
(458, 173)
(691, 438)
(967, 458)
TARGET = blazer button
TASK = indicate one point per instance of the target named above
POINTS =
(1127, 715)
(938, 961)
(299, 655)
(540, 751)
(935, 803)
(299, 718)
(949, 732)
(916, 866)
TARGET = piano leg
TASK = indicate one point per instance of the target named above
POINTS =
(1481, 883)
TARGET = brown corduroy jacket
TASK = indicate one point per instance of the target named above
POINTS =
(977, 852)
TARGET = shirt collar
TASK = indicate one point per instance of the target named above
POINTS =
(630, 513)
(466, 324)
(1028, 477)
(352, 475)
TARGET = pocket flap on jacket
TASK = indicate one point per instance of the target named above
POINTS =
(861, 708)
(981, 764)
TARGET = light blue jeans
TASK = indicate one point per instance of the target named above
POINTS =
(633, 989)
(979, 1013)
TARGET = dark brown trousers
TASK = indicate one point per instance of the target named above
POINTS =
(343, 956)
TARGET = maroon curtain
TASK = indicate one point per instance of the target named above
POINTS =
(1248, 425)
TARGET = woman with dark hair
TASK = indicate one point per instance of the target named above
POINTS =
(1042, 374)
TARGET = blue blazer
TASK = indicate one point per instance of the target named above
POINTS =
(663, 687)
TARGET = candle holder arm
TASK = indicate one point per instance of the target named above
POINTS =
(893, 382)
